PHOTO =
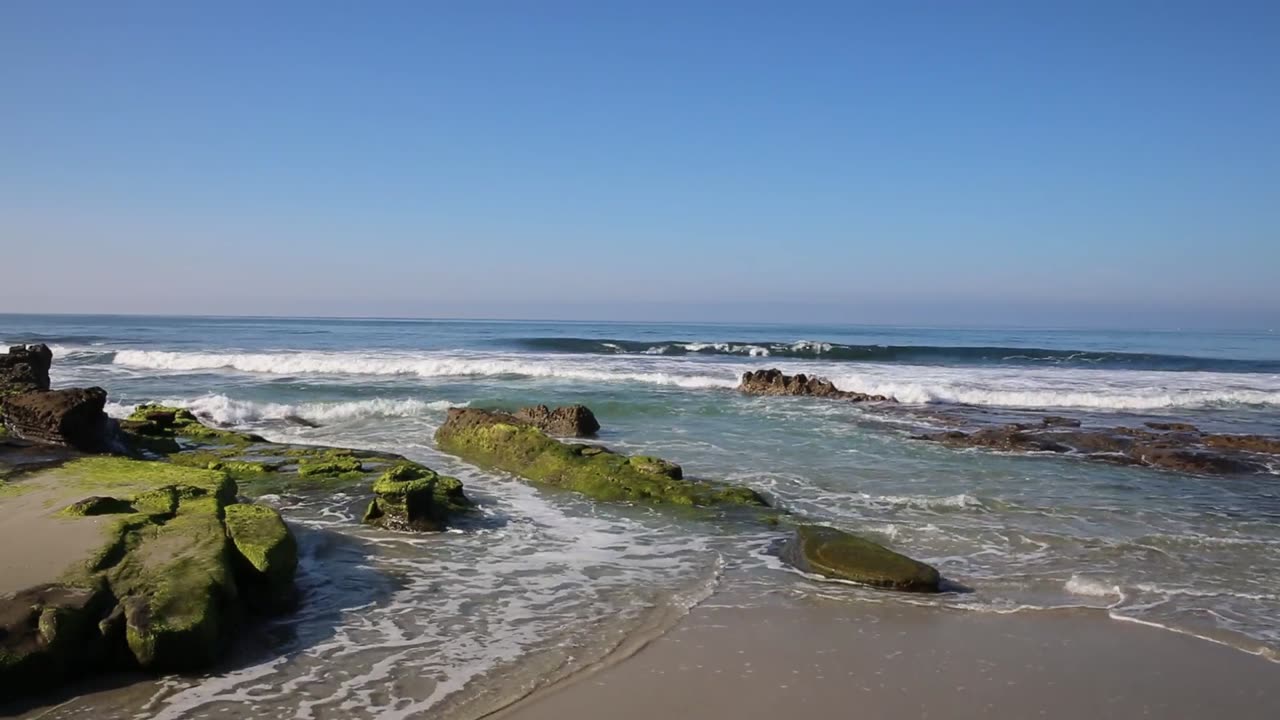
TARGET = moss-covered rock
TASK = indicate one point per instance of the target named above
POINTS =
(834, 553)
(266, 552)
(409, 496)
(161, 421)
(329, 464)
(99, 505)
(502, 441)
(49, 632)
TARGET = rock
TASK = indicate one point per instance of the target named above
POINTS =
(1059, 421)
(1192, 461)
(48, 634)
(266, 553)
(73, 417)
(773, 382)
(1246, 443)
(567, 421)
(1176, 446)
(25, 368)
(99, 505)
(161, 421)
(331, 464)
(836, 554)
(502, 441)
(412, 497)
(1173, 426)
(656, 466)
(299, 420)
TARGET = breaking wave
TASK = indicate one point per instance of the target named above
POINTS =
(915, 384)
(224, 410)
(421, 365)
(914, 354)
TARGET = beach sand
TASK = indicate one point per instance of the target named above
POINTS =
(37, 545)
(816, 659)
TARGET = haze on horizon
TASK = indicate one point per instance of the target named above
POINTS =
(1082, 163)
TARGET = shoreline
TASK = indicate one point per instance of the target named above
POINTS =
(724, 660)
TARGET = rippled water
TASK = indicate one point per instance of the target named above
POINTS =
(543, 583)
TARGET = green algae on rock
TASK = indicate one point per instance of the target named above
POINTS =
(267, 551)
(502, 441)
(329, 464)
(834, 553)
(179, 566)
(162, 421)
(409, 496)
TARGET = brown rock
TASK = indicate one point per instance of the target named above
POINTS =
(72, 417)
(1247, 443)
(25, 368)
(774, 382)
(567, 421)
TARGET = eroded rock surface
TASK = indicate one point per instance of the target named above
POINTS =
(774, 382)
(1167, 445)
(567, 421)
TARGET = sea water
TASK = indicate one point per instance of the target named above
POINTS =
(542, 583)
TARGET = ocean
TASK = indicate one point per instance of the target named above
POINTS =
(542, 583)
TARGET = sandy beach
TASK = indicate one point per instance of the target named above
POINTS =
(818, 659)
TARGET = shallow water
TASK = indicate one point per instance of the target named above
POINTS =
(545, 582)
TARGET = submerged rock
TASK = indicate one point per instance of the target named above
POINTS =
(72, 417)
(1170, 446)
(836, 554)
(505, 442)
(567, 421)
(412, 497)
(774, 382)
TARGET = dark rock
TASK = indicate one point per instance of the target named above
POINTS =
(25, 368)
(836, 554)
(49, 633)
(1173, 426)
(72, 417)
(1176, 446)
(1192, 461)
(299, 420)
(99, 505)
(1059, 421)
(773, 382)
(567, 421)
(1247, 443)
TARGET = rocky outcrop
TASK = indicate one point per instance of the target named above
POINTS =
(1170, 446)
(25, 368)
(181, 565)
(836, 554)
(504, 442)
(567, 421)
(412, 497)
(72, 417)
(773, 382)
(30, 410)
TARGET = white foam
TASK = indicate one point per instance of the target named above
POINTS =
(1089, 587)
(426, 365)
(224, 410)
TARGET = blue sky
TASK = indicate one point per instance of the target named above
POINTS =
(1058, 163)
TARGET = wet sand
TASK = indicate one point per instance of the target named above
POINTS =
(808, 659)
(37, 545)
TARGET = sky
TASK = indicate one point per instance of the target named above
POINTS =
(1061, 163)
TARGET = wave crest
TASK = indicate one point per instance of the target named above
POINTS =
(228, 411)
